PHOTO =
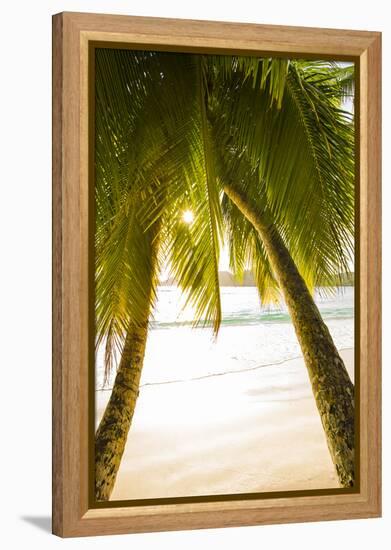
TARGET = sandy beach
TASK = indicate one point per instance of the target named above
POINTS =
(251, 431)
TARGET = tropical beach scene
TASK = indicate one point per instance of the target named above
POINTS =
(224, 275)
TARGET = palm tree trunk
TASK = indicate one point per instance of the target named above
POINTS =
(114, 426)
(331, 385)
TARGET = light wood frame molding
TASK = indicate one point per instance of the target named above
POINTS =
(72, 33)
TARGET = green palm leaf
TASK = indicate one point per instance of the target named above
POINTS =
(151, 164)
(303, 154)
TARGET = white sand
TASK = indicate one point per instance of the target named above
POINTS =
(246, 432)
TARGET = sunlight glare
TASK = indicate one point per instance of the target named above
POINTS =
(188, 216)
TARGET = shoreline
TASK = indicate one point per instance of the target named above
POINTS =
(185, 353)
(212, 375)
(257, 431)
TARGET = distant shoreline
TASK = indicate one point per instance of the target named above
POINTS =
(227, 279)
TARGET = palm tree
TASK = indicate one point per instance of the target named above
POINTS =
(197, 143)
(151, 166)
(303, 151)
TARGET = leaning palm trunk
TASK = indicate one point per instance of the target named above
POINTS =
(114, 426)
(331, 385)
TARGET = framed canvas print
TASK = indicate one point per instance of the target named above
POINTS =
(216, 274)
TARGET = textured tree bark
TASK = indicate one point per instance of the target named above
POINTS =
(114, 426)
(331, 385)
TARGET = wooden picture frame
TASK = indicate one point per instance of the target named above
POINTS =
(72, 35)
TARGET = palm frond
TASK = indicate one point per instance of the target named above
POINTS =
(170, 129)
(265, 74)
(304, 157)
(152, 158)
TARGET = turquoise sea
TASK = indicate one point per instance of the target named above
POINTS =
(241, 306)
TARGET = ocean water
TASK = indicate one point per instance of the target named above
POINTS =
(251, 336)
